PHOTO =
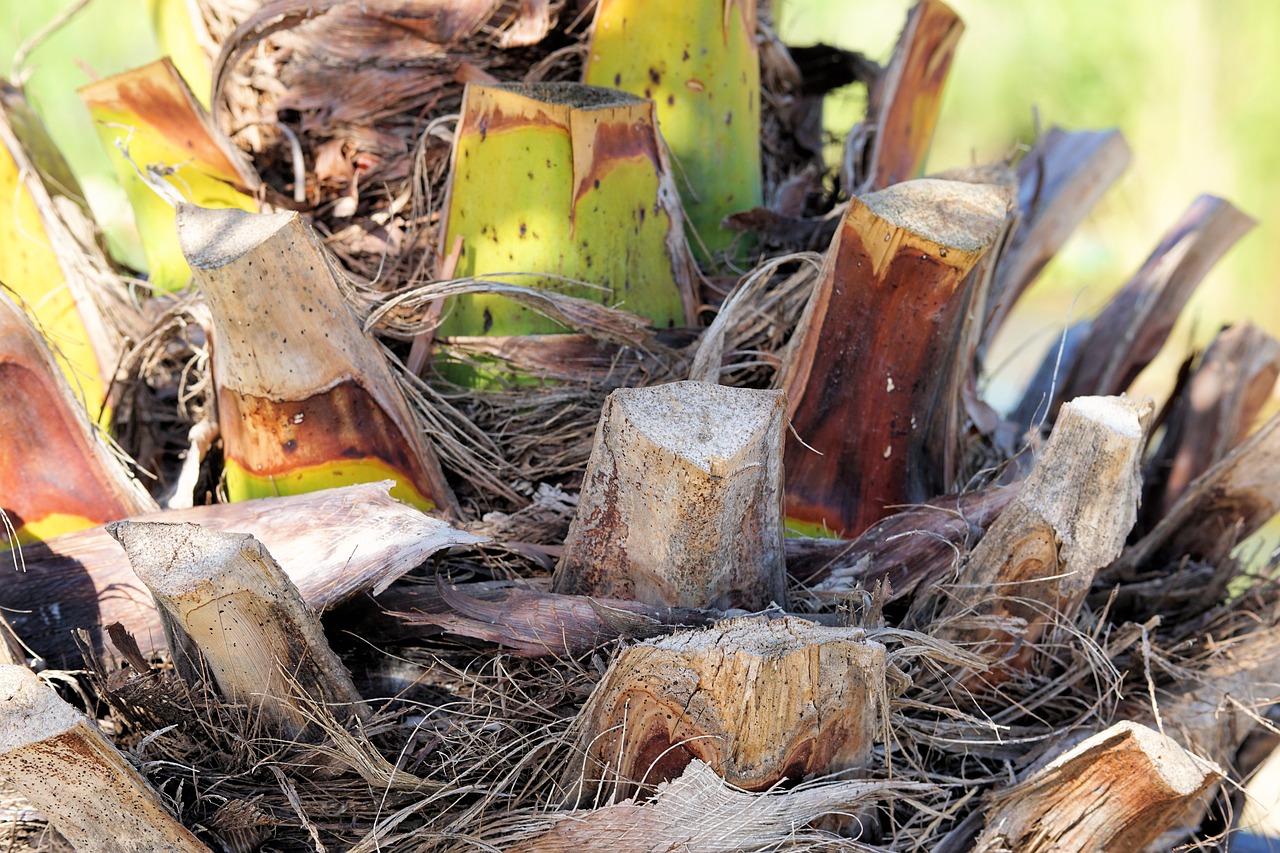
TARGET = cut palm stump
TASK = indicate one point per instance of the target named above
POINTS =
(681, 503)
(698, 61)
(872, 378)
(758, 701)
(893, 144)
(57, 471)
(567, 188)
(333, 544)
(68, 769)
(1119, 790)
(306, 400)
(1036, 563)
(225, 602)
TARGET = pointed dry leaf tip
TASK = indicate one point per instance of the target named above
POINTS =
(955, 214)
(214, 238)
(33, 711)
(184, 555)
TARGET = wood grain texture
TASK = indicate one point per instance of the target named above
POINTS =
(757, 701)
(1038, 560)
(681, 504)
(871, 377)
(1118, 790)
(225, 596)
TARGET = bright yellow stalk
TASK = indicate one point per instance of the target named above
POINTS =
(37, 263)
(569, 183)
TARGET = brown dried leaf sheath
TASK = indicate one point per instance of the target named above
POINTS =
(872, 393)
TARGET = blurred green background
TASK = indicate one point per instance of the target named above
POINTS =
(1189, 82)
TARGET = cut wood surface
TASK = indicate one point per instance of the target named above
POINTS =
(873, 377)
(69, 770)
(223, 594)
(1038, 560)
(1118, 790)
(333, 545)
(1134, 325)
(1060, 181)
(306, 400)
(681, 503)
(758, 701)
(58, 473)
(904, 102)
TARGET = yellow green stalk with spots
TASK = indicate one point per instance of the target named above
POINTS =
(567, 188)
(699, 63)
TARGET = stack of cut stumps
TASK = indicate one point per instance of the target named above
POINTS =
(521, 464)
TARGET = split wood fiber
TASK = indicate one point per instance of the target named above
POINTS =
(1037, 562)
(1119, 790)
(757, 701)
